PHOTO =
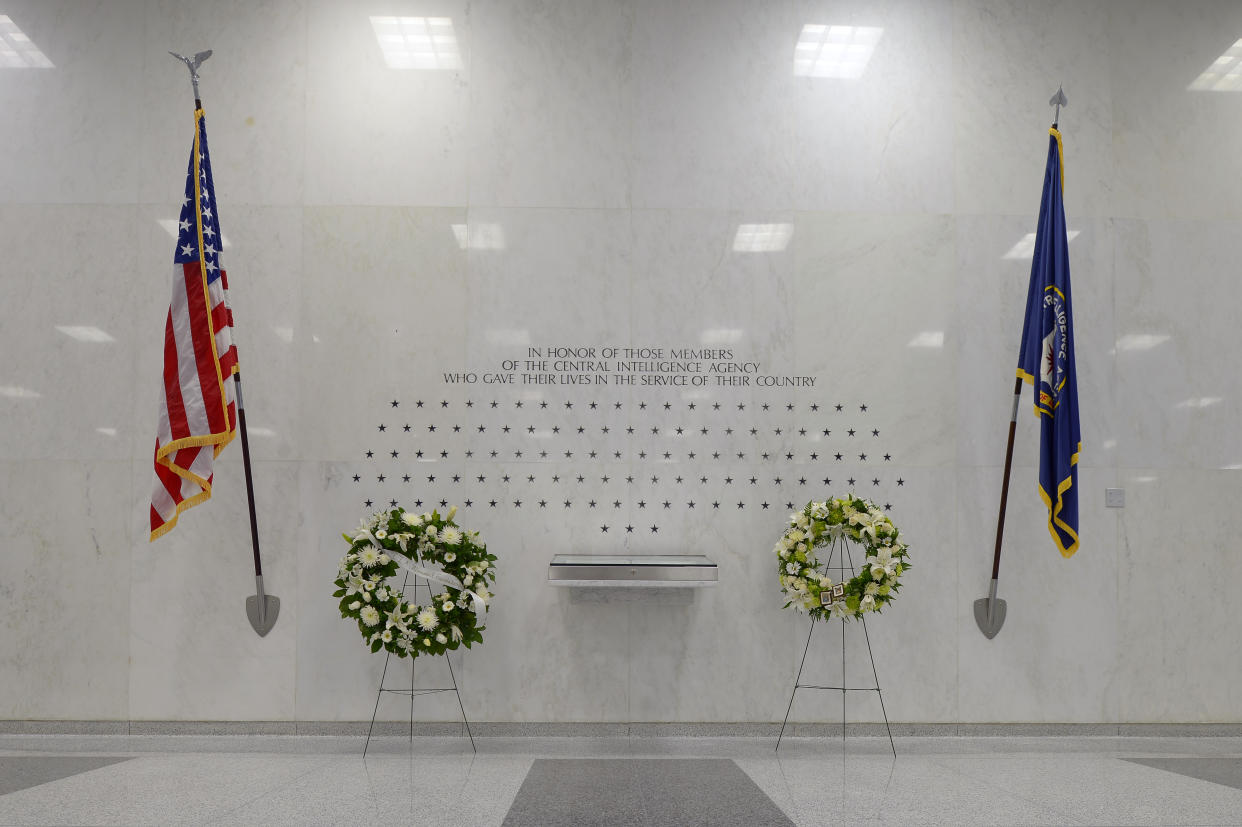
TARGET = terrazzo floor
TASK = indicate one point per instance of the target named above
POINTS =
(310, 780)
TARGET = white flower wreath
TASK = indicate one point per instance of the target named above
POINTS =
(820, 524)
(426, 545)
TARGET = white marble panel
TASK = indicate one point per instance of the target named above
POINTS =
(994, 274)
(551, 107)
(253, 90)
(193, 654)
(1175, 592)
(1176, 377)
(69, 332)
(69, 131)
(378, 135)
(1173, 144)
(64, 582)
(881, 142)
(714, 107)
(720, 653)
(385, 311)
(1009, 58)
(874, 310)
(1056, 659)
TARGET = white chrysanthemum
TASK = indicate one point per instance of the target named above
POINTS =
(440, 638)
(384, 559)
(381, 593)
(370, 616)
(799, 585)
(368, 556)
(449, 605)
(450, 557)
(386, 636)
(430, 532)
(381, 534)
(427, 619)
(411, 519)
(450, 536)
(871, 588)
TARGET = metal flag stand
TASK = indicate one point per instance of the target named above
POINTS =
(262, 609)
(845, 563)
(990, 611)
(412, 690)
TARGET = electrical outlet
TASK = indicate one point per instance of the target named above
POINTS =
(1115, 497)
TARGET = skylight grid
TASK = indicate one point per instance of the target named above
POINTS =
(17, 50)
(418, 42)
(825, 51)
(1224, 75)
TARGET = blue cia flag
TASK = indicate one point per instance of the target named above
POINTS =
(1046, 359)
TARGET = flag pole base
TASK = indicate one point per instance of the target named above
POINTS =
(262, 609)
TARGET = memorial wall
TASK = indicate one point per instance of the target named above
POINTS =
(628, 278)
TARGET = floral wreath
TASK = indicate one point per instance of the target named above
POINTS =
(822, 524)
(426, 545)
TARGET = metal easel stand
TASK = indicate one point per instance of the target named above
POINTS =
(414, 691)
(840, 549)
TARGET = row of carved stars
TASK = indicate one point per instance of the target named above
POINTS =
(741, 455)
(642, 406)
(715, 504)
(456, 478)
(630, 430)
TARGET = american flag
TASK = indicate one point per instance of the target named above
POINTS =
(198, 408)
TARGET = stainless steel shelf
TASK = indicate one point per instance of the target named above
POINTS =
(647, 571)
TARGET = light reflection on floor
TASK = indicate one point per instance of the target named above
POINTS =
(273, 780)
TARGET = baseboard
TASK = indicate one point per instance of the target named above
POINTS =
(557, 729)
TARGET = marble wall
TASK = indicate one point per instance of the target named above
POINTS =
(580, 178)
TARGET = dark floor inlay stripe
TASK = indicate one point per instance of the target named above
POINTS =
(22, 771)
(644, 792)
(1219, 769)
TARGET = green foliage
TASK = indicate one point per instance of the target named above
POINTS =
(833, 523)
(369, 596)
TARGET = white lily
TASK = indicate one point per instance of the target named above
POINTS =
(882, 564)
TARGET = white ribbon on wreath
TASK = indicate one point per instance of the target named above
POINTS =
(414, 566)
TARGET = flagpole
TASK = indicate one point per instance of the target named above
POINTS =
(262, 609)
(990, 611)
